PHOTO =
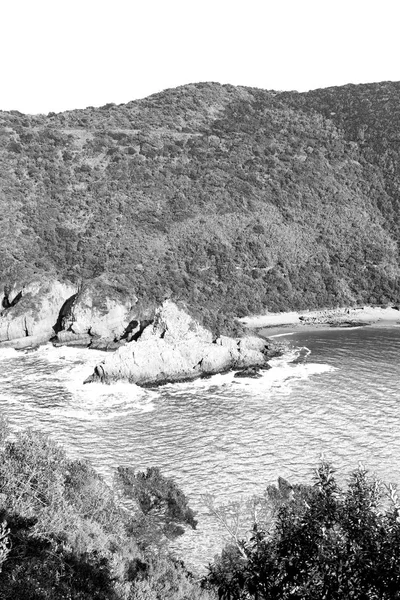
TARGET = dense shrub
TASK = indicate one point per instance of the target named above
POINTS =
(66, 535)
(325, 543)
(163, 506)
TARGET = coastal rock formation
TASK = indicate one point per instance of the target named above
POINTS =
(175, 348)
(51, 310)
(31, 319)
(98, 315)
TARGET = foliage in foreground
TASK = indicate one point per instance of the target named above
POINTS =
(65, 535)
(325, 543)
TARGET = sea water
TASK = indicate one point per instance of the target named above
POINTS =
(335, 392)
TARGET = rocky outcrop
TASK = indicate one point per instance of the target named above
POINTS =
(251, 372)
(30, 320)
(175, 348)
(96, 315)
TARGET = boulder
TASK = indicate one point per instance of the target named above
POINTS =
(252, 343)
(31, 341)
(96, 313)
(217, 359)
(230, 343)
(252, 372)
(105, 344)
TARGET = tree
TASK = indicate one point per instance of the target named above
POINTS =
(161, 507)
(326, 543)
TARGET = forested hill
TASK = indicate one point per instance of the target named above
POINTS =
(230, 199)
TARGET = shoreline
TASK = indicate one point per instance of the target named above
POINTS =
(287, 323)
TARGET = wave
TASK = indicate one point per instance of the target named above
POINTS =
(100, 401)
(62, 394)
(285, 370)
(69, 354)
(6, 353)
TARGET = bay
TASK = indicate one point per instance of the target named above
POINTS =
(336, 392)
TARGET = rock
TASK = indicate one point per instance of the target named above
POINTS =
(174, 348)
(105, 344)
(154, 361)
(274, 348)
(217, 359)
(173, 324)
(63, 337)
(230, 343)
(252, 372)
(45, 309)
(96, 313)
(69, 338)
(31, 341)
(252, 343)
(36, 311)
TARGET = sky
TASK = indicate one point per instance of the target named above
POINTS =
(59, 55)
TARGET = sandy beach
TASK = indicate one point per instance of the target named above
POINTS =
(286, 322)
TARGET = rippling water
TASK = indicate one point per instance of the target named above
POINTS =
(335, 392)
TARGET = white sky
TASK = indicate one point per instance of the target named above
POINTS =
(64, 54)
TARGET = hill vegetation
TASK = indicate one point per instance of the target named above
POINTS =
(229, 199)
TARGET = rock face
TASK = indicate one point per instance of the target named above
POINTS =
(31, 319)
(43, 310)
(106, 319)
(175, 348)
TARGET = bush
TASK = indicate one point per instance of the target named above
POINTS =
(64, 535)
(163, 507)
(325, 543)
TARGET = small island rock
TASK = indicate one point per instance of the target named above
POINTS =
(175, 348)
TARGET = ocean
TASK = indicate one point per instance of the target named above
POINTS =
(335, 393)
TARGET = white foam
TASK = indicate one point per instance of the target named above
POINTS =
(281, 376)
(97, 401)
(289, 356)
(219, 380)
(102, 400)
(69, 354)
(6, 353)
(93, 401)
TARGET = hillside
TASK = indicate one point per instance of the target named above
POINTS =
(230, 199)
